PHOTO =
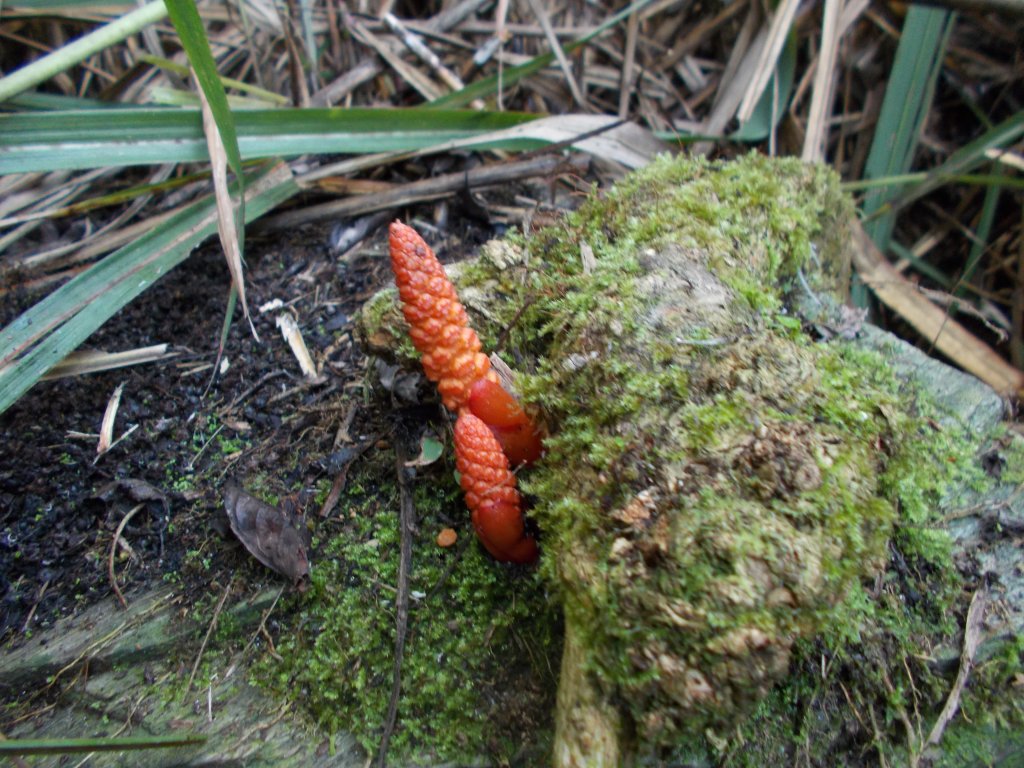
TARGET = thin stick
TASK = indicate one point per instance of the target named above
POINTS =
(556, 48)
(369, 68)
(428, 189)
(415, 44)
(406, 522)
(209, 632)
(420, 82)
(113, 549)
(972, 635)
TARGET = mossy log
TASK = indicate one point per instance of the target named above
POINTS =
(726, 469)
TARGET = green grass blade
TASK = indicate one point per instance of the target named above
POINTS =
(920, 265)
(775, 99)
(78, 50)
(227, 82)
(50, 102)
(981, 236)
(512, 75)
(189, 27)
(45, 141)
(966, 159)
(11, 747)
(66, 317)
(908, 98)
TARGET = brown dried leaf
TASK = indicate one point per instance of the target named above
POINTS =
(269, 535)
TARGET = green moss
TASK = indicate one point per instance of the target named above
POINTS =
(1013, 452)
(481, 644)
(872, 670)
(699, 570)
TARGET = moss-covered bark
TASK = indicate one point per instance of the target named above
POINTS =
(720, 486)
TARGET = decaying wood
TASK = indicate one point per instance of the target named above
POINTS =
(109, 671)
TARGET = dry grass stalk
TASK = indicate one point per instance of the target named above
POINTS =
(934, 325)
(824, 78)
(778, 30)
(92, 361)
(556, 48)
(107, 426)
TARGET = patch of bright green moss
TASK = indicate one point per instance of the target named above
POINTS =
(481, 645)
(870, 673)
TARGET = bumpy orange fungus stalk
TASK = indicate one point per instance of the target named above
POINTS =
(492, 428)
(490, 491)
(439, 328)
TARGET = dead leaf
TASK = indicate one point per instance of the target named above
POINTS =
(227, 227)
(137, 490)
(270, 536)
(292, 334)
(107, 427)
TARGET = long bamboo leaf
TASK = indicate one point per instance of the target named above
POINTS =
(908, 98)
(13, 747)
(44, 141)
(51, 329)
(77, 51)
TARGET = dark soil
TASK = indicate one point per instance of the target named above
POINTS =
(60, 505)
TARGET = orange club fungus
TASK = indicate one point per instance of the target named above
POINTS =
(492, 429)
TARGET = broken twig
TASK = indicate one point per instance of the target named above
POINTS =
(113, 550)
(406, 523)
(972, 636)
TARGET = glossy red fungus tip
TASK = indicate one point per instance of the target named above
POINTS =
(510, 424)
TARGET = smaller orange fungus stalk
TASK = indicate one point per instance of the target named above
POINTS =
(449, 348)
(491, 494)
